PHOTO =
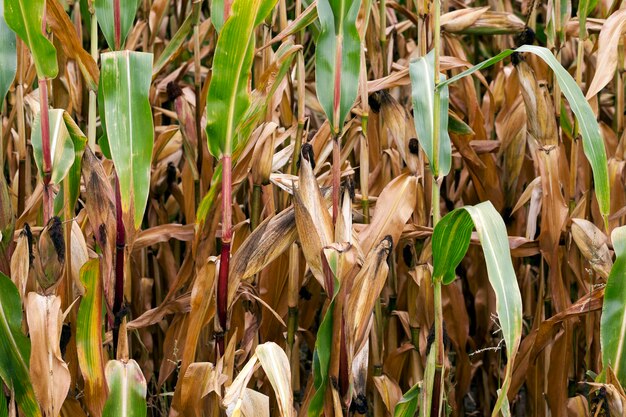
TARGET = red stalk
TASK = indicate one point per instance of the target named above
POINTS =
(45, 145)
(120, 243)
(227, 232)
(117, 22)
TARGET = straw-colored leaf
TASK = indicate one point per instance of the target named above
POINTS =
(608, 43)
(48, 371)
(592, 243)
(276, 366)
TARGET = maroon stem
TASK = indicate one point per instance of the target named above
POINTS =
(120, 243)
(117, 22)
(227, 233)
(336, 175)
(45, 146)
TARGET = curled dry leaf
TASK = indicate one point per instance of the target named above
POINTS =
(393, 208)
(313, 220)
(101, 212)
(20, 263)
(608, 42)
(593, 245)
(458, 20)
(366, 288)
(276, 366)
(48, 372)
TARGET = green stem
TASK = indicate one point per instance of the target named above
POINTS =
(255, 210)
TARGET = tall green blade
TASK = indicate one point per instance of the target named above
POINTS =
(61, 146)
(106, 19)
(423, 98)
(126, 78)
(89, 326)
(593, 144)
(127, 390)
(8, 57)
(15, 348)
(228, 97)
(613, 321)
(337, 59)
(217, 14)
(451, 237)
(73, 176)
(25, 18)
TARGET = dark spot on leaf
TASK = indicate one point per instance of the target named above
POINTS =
(374, 101)
(55, 229)
(66, 335)
(308, 154)
(359, 404)
(29, 237)
(525, 37)
(305, 294)
(102, 232)
(414, 146)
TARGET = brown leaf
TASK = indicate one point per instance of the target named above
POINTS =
(49, 373)
(163, 233)
(593, 245)
(64, 30)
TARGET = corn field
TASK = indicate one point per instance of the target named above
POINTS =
(306, 208)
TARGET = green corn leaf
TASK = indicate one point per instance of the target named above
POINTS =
(8, 57)
(25, 18)
(593, 144)
(450, 241)
(407, 406)
(89, 337)
(61, 146)
(422, 72)
(15, 349)
(80, 142)
(337, 59)
(174, 46)
(217, 14)
(228, 97)
(126, 78)
(613, 321)
(106, 21)
(127, 390)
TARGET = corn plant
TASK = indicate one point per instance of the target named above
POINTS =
(312, 208)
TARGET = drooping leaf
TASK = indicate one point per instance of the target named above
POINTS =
(25, 18)
(407, 406)
(126, 78)
(8, 56)
(80, 142)
(61, 146)
(106, 19)
(48, 371)
(593, 144)
(613, 321)
(127, 390)
(337, 59)
(228, 97)
(89, 325)
(422, 72)
(451, 238)
(15, 349)
(64, 30)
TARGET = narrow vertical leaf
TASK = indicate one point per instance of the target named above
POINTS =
(450, 241)
(8, 56)
(89, 338)
(127, 390)
(126, 78)
(337, 58)
(104, 14)
(25, 18)
(423, 98)
(613, 321)
(15, 349)
(228, 97)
